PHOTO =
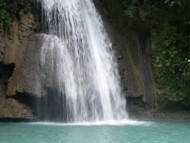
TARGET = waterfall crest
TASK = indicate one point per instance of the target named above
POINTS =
(77, 59)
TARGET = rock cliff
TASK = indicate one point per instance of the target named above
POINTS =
(12, 54)
(133, 50)
(19, 59)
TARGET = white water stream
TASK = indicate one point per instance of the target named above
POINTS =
(78, 60)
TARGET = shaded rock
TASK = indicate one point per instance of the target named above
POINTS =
(132, 49)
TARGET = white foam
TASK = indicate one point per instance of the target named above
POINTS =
(99, 123)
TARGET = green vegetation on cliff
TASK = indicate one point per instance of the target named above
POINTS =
(5, 17)
(12, 9)
(168, 24)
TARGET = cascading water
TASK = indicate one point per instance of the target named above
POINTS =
(77, 59)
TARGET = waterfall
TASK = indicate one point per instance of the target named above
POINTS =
(78, 61)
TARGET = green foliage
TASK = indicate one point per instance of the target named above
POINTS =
(5, 19)
(169, 24)
(10, 10)
(173, 2)
(171, 61)
(16, 5)
(131, 8)
(131, 11)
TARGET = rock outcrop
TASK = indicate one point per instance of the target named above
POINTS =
(12, 51)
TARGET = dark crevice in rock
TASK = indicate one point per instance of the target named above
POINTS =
(145, 62)
(6, 72)
(137, 108)
(25, 98)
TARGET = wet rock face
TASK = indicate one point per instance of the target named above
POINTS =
(27, 76)
(132, 49)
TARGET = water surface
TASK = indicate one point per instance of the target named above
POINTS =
(129, 132)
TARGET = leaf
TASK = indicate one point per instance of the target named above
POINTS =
(168, 64)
